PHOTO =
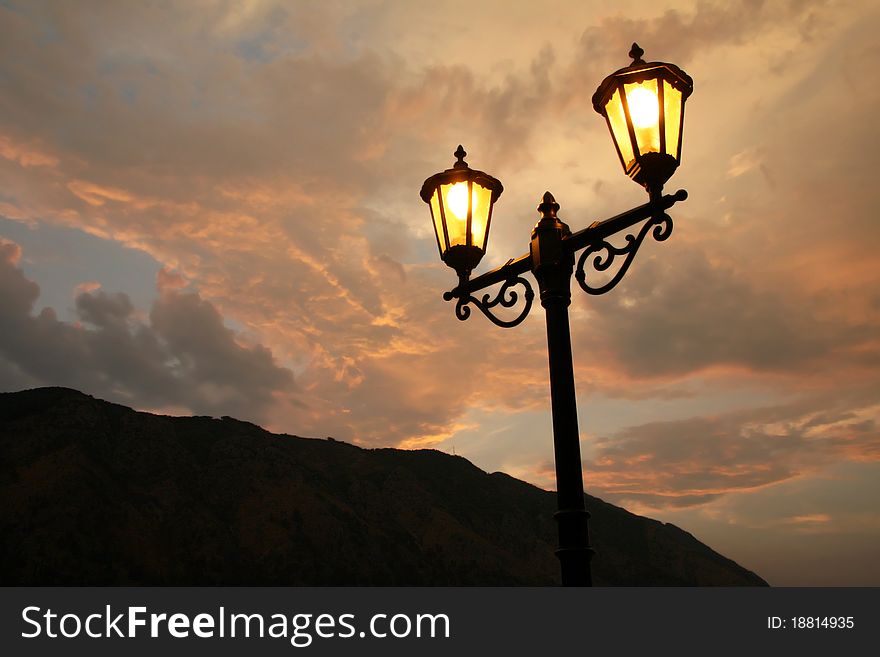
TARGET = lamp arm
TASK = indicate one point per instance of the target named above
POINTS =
(509, 274)
(511, 269)
(599, 254)
(506, 297)
(599, 230)
(603, 254)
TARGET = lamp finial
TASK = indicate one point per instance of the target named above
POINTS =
(460, 154)
(549, 207)
(636, 53)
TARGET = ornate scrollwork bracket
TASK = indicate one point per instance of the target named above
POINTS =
(506, 298)
(605, 253)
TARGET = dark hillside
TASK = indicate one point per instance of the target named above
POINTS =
(96, 493)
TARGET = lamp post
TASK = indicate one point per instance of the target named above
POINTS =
(643, 104)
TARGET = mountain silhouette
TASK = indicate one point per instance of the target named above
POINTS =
(95, 493)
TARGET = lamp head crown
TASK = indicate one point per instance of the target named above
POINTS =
(636, 53)
(460, 154)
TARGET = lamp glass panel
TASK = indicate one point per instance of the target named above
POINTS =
(438, 222)
(482, 201)
(672, 118)
(644, 110)
(455, 202)
(617, 121)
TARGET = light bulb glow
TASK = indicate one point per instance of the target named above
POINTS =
(644, 108)
(457, 201)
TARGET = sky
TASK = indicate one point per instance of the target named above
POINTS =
(213, 208)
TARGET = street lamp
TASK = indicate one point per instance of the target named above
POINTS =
(461, 201)
(643, 105)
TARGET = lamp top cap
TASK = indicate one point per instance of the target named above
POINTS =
(637, 71)
(636, 53)
(460, 154)
(461, 172)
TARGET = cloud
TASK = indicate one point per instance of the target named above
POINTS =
(697, 460)
(86, 287)
(707, 26)
(270, 158)
(169, 280)
(27, 155)
(184, 356)
(680, 314)
(744, 161)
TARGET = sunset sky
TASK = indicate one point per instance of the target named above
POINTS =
(213, 208)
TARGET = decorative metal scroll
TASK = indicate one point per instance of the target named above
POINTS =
(605, 253)
(506, 298)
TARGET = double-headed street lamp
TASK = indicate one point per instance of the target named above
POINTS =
(643, 105)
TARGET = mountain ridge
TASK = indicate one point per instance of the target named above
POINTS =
(97, 493)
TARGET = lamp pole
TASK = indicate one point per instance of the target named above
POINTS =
(552, 266)
(643, 104)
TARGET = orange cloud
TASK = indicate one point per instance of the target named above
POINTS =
(292, 208)
(27, 155)
(86, 286)
(813, 518)
(168, 280)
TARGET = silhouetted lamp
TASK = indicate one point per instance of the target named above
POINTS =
(643, 104)
(644, 107)
(461, 201)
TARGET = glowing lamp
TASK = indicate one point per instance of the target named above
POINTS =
(461, 201)
(643, 104)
